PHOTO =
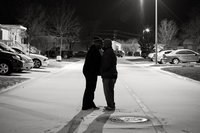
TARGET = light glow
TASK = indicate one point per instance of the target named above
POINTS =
(141, 3)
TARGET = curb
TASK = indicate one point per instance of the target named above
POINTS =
(3, 90)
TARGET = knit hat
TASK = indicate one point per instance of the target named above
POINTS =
(97, 40)
(108, 43)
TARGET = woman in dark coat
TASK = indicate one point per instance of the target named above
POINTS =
(91, 70)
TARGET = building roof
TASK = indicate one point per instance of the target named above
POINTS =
(5, 26)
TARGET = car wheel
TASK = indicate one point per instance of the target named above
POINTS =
(37, 63)
(5, 68)
(175, 61)
(162, 61)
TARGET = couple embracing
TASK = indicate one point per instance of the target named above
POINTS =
(100, 61)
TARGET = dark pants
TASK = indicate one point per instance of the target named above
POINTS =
(88, 98)
(108, 85)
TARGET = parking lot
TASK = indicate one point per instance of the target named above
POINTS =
(7, 81)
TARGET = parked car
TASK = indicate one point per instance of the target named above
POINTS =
(151, 55)
(130, 53)
(28, 62)
(160, 56)
(9, 62)
(144, 54)
(182, 55)
(80, 54)
(137, 53)
(119, 53)
(54, 51)
(39, 60)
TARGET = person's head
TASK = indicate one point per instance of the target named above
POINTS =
(107, 43)
(98, 42)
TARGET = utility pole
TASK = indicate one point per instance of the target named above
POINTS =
(156, 31)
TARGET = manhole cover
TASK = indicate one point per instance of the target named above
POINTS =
(128, 119)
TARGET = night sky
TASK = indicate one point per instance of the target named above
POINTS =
(124, 15)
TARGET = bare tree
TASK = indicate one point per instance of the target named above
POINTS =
(130, 45)
(64, 24)
(167, 32)
(192, 30)
(34, 19)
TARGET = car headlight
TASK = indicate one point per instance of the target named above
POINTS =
(25, 60)
(17, 57)
(30, 60)
(45, 59)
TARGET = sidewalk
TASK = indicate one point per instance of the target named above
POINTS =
(17, 78)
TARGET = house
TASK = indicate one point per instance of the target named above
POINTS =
(116, 45)
(13, 35)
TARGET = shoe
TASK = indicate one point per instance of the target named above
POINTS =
(91, 108)
(86, 108)
(95, 108)
(109, 108)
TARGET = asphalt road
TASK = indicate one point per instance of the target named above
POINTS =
(147, 100)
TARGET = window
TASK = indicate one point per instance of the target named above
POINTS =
(185, 52)
(181, 52)
(167, 52)
(190, 52)
(1, 34)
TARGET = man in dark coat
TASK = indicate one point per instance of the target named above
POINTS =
(91, 70)
(109, 73)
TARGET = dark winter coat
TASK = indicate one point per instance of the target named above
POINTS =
(108, 64)
(92, 62)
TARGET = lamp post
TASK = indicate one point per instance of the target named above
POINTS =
(156, 31)
(156, 27)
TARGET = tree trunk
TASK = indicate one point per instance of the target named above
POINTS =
(61, 41)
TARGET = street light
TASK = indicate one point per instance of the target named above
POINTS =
(146, 30)
(156, 30)
(156, 27)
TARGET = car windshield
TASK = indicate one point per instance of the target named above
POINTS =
(19, 51)
(173, 52)
(167, 52)
(7, 48)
